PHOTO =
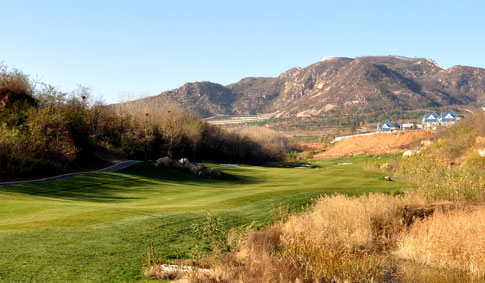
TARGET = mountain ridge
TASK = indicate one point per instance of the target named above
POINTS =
(337, 85)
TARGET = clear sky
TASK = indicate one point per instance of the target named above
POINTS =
(146, 47)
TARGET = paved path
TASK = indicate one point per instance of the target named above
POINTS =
(113, 168)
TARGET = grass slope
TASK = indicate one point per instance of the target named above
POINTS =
(97, 227)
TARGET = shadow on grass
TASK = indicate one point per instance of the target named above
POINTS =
(148, 170)
(127, 184)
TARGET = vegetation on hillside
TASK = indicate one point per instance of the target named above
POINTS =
(450, 167)
(45, 131)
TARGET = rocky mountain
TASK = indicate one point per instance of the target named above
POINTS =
(339, 85)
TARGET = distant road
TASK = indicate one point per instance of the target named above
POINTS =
(239, 119)
(113, 168)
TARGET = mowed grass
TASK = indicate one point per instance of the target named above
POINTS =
(96, 228)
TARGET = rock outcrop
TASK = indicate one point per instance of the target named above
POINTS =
(185, 165)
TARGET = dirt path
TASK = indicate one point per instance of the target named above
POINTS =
(112, 168)
(373, 144)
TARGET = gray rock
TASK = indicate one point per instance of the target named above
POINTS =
(184, 164)
(164, 161)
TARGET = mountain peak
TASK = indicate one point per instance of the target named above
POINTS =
(289, 72)
(342, 85)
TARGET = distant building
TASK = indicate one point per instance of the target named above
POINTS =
(431, 121)
(449, 118)
(388, 126)
(409, 126)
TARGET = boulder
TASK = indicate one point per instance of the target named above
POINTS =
(184, 164)
(408, 153)
(411, 152)
(164, 161)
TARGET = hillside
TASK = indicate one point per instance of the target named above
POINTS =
(338, 85)
(380, 143)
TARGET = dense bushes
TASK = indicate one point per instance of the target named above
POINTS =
(45, 131)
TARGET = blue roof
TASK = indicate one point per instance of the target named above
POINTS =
(451, 112)
(433, 117)
(389, 126)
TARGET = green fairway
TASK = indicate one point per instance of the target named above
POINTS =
(97, 227)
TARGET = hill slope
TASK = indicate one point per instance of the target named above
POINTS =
(338, 85)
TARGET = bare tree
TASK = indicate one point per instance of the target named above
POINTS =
(193, 131)
(171, 125)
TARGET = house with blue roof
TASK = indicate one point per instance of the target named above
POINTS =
(431, 121)
(449, 118)
(388, 126)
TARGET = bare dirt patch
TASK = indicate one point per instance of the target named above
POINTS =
(373, 144)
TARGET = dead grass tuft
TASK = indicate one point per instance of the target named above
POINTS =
(450, 239)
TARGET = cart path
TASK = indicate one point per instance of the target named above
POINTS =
(112, 168)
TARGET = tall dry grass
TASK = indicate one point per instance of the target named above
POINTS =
(272, 141)
(344, 237)
(453, 239)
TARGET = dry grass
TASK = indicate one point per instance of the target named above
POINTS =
(271, 140)
(358, 239)
(443, 182)
(453, 239)
(346, 221)
(345, 237)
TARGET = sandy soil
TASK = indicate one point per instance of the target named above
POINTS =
(373, 144)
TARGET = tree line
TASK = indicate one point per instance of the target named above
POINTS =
(44, 131)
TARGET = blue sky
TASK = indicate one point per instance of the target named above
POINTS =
(146, 47)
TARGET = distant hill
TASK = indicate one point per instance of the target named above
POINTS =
(338, 85)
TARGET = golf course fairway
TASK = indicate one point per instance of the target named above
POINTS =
(96, 227)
